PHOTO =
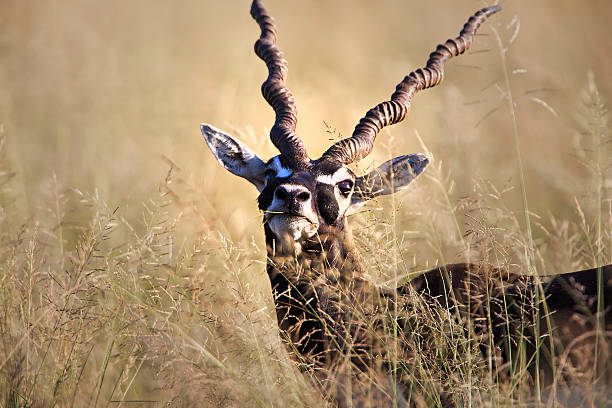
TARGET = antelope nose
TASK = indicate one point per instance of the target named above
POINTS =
(292, 194)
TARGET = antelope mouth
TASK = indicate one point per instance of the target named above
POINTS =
(294, 226)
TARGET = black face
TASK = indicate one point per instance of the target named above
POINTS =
(300, 198)
(298, 202)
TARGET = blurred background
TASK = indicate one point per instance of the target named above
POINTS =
(132, 264)
(105, 95)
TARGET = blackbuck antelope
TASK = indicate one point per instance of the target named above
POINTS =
(314, 269)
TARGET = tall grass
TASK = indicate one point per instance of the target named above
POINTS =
(131, 279)
(97, 311)
(122, 316)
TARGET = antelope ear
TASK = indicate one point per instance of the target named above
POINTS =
(391, 176)
(234, 155)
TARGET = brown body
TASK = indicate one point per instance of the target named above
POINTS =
(496, 302)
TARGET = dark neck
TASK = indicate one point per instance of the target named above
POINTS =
(331, 250)
(311, 282)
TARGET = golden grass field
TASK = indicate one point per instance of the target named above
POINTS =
(132, 266)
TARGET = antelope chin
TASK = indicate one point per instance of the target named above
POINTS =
(290, 226)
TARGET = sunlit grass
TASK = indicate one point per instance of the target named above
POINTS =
(132, 269)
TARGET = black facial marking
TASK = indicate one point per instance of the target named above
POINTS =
(328, 167)
(327, 203)
(293, 165)
(324, 201)
(267, 194)
(284, 161)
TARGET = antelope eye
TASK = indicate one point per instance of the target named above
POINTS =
(345, 187)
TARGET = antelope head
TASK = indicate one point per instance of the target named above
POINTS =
(304, 199)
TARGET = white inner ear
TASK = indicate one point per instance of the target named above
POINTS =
(234, 155)
(392, 176)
